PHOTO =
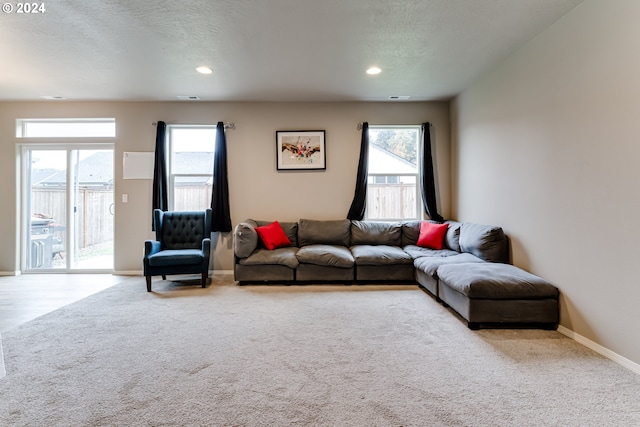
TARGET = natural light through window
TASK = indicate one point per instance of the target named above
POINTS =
(393, 176)
(190, 164)
(68, 194)
(66, 128)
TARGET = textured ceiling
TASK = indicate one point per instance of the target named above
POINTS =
(262, 50)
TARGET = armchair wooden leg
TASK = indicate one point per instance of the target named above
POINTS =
(204, 279)
(148, 283)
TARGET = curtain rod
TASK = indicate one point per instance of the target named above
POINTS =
(359, 127)
(227, 125)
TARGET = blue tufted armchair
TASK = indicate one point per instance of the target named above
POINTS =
(182, 245)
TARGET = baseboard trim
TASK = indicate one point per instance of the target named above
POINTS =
(127, 273)
(140, 272)
(600, 349)
(122, 272)
(9, 273)
(221, 272)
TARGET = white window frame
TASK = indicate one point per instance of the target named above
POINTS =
(418, 195)
(51, 140)
(93, 128)
(171, 175)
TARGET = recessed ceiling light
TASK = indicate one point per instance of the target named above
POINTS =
(188, 97)
(57, 98)
(204, 70)
(374, 70)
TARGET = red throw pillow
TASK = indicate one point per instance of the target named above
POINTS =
(432, 235)
(273, 236)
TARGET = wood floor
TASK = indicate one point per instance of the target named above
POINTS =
(25, 297)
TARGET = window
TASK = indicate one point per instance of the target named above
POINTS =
(190, 166)
(393, 184)
(66, 128)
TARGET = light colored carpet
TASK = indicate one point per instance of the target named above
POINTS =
(297, 355)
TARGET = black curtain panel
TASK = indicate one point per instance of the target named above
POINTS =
(427, 177)
(359, 204)
(220, 191)
(160, 195)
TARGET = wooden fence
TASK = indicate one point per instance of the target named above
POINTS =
(93, 213)
(190, 197)
(391, 201)
(94, 210)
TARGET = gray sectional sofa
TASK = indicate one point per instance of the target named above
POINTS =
(367, 252)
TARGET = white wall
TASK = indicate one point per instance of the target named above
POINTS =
(547, 146)
(256, 189)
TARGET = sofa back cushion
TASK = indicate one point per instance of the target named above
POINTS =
(376, 233)
(290, 229)
(452, 238)
(326, 232)
(410, 232)
(487, 242)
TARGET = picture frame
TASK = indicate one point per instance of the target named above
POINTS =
(301, 150)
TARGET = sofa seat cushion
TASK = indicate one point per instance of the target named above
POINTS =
(418, 251)
(325, 255)
(429, 264)
(176, 257)
(495, 281)
(379, 255)
(280, 256)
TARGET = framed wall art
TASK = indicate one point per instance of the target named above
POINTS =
(300, 150)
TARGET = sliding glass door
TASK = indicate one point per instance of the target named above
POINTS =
(68, 208)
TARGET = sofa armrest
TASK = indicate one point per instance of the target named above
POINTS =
(151, 247)
(245, 239)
